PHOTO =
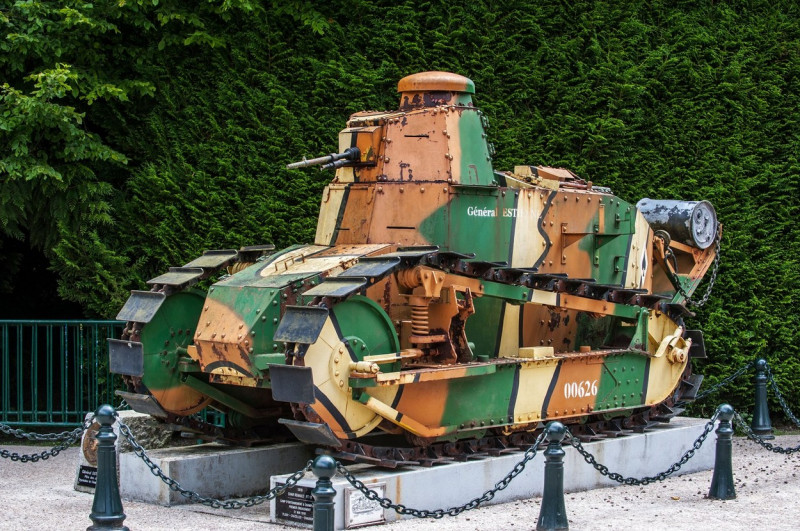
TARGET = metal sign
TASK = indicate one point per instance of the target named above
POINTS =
(295, 505)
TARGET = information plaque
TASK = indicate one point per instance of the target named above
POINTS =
(87, 476)
(359, 510)
(295, 505)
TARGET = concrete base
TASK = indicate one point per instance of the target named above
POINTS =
(211, 470)
(635, 455)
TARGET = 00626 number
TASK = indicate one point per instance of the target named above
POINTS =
(580, 389)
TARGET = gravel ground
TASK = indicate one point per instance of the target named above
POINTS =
(767, 486)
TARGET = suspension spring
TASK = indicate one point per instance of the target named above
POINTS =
(419, 320)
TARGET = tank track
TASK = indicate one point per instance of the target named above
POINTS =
(596, 427)
(178, 279)
(450, 262)
(500, 272)
(496, 444)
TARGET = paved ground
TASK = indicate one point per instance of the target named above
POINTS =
(40, 495)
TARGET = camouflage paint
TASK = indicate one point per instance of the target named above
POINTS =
(425, 178)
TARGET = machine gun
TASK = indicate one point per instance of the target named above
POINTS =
(330, 162)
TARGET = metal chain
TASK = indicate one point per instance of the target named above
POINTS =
(784, 405)
(712, 279)
(722, 383)
(386, 503)
(66, 438)
(661, 476)
(753, 437)
(194, 497)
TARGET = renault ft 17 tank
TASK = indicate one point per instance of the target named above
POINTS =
(444, 302)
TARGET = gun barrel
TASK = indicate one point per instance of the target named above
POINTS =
(310, 162)
(352, 154)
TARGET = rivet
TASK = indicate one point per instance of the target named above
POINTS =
(206, 308)
(336, 373)
(223, 336)
(341, 383)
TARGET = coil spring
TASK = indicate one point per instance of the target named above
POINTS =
(419, 320)
(238, 266)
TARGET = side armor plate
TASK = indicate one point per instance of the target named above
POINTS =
(141, 306)
(143, 404)
(311, 432)
(291, 383)
(301, 324)
(125, 357)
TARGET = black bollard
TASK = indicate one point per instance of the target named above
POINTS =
(761, 424)
(324, 468)
(107, 507)
(553, 514)
(722, 487)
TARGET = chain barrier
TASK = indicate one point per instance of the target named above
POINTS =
(194, 497)
(711, 280)
(784, 405)
(619, 478)
(756, 438)
(386, 503)
(64, 438)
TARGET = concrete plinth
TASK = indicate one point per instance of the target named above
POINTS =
(211, 470)
(441, 487)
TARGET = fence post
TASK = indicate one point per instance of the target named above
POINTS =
(761, 424)
(324, 468)
(107, 506)
(553, 514)
(722, 487)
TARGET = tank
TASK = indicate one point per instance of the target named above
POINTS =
(444, 306)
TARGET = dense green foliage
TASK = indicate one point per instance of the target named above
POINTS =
(152, 132)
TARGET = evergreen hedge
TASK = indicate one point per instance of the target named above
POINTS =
(661, 99)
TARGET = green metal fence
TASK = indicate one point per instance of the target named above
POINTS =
(53, 372)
